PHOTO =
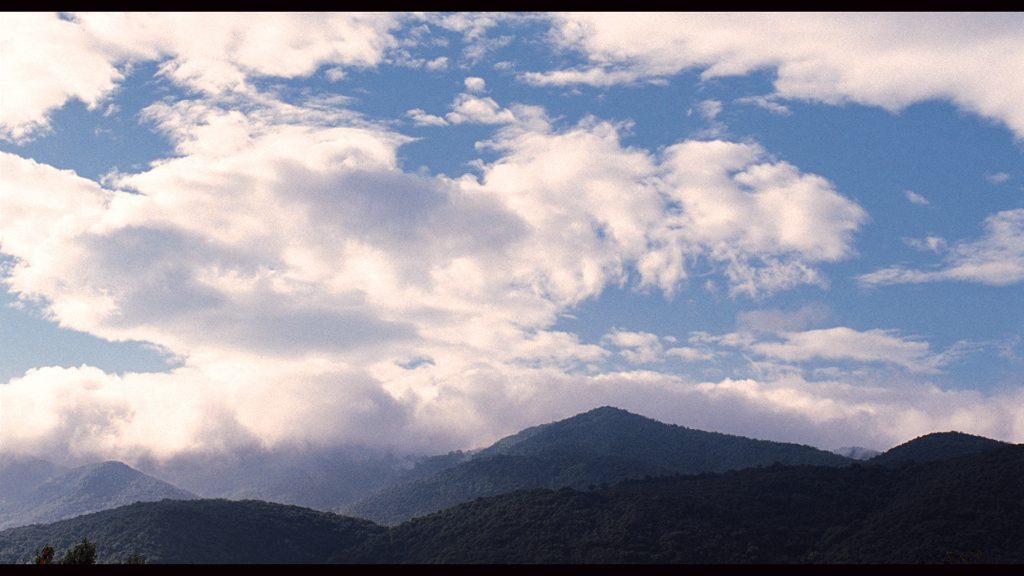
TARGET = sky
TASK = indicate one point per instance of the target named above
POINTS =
(423, 232)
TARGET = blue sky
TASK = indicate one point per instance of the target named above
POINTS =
(423, 232)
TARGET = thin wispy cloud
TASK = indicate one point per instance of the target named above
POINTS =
(916, 198)
(997, 258)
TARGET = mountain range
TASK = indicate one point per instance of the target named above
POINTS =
(597, 448)
(964, 509)
(602, 486)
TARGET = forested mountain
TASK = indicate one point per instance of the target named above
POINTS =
(936, 446)
(599, 447)
(965, 509)
(79, 491)
(205, 531)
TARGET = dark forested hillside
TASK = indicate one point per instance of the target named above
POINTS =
(936, 446)
(964, 509)
(205, 531)
(602, 446)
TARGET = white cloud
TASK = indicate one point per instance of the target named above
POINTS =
(997, 258)
(635, 347)
(297, 270)
(475, 84)
(769, 103)
(887, 60)
(232, 49)
(439, 63)
(334, 74)
(915, 198)
(781, 320)
(927, 244)
(997, 178)
(46, 62)
(842, 343)
(869, 412)
(474, 27)
(766, 223)
(88, 414)
(284, 256)
(84, 413)
(286, 238)
(709, 109)
(422, 118)
(49, 60)
(478, 110)
(690, 353)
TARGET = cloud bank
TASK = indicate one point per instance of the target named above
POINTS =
(887, 60)
(318, 293)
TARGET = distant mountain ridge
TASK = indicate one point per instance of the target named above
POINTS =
(936, 446)
(964, 509)
(857, 452)
(80, 491)
(20, 476)
(319, 478)
(599, 447)
(588, 451)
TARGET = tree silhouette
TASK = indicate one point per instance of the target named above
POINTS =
(45, 555)
(82, 553)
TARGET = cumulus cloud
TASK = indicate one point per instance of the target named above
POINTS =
(887, 60)
(475, 84)
(765, 222)
(478, 110)
(49, 60)
(997, 258)
(84, 413)
(439, 63)
(283, 239)
(318, 293)
(422, 118)
(636, 347)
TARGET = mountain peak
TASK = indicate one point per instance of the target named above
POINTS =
(87, 489)
(602, 410)
(604, 413)
(111, 465)
(604, 445)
